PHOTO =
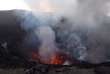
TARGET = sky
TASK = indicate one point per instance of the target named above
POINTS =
(39, 5)
(25, 4)
(12, 4)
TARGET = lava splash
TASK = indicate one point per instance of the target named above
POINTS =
(59, 59)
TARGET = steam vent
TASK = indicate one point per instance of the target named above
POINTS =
(56, 39)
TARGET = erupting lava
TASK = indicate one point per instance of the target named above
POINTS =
(59, 59)
(56, 60)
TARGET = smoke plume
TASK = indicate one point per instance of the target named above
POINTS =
(47, 38)
(83, 25)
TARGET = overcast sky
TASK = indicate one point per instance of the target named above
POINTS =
(36, 5)
(12, 4)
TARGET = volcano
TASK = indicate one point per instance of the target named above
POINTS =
(16, 53)
(71, 48)
(26, 44)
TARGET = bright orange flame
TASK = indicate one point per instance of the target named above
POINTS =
(59, 59)
(56, 60)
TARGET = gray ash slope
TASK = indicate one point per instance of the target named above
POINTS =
(9, 30)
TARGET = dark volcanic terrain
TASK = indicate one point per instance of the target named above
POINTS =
(10, 31)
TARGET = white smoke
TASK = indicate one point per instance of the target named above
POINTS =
(47, 38)
(90, 16)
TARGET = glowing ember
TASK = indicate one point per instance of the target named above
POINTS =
(56, 60)
(34, 56)
(59, 59)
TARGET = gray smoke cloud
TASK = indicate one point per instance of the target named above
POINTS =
(83, 19)
(47, 48)
(38, 28)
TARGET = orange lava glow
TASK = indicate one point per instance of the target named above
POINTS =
(59, 59)
(56, 60)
